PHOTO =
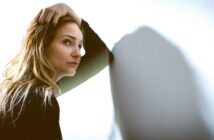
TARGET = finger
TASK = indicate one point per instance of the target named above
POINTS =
(55, 18)
(38, 15)
(49, 17)
(42, 16)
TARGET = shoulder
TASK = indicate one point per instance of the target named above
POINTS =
(38, 118)
(37, 105)
(39, 99)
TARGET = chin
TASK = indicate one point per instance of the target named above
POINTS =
(68, 73)
(71, 74)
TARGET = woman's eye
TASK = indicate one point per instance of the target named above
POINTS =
(67, 42)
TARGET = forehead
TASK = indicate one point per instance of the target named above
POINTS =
(71, 29)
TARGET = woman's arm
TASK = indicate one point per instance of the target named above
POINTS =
(97, 56)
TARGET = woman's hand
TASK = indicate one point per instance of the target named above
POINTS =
(53, 13)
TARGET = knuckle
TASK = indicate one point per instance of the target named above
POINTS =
(56, 13)
(49, 10)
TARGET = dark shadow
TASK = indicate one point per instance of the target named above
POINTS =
(154, 90)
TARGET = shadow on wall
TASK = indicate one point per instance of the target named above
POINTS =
(154, 90)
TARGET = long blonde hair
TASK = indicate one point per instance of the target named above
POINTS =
(30, 70)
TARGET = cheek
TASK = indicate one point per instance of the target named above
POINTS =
(56, 54)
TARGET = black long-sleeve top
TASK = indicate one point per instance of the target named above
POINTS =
(38, 121)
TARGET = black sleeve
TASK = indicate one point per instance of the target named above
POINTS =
(97, 57)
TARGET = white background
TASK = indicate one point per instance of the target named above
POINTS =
(87, 111)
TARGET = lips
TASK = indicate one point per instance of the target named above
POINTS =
(74, 63)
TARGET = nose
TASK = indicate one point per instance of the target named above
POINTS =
(76, 52)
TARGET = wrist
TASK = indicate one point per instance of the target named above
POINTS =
(79, 21)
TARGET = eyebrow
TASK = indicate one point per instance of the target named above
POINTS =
(72, 37)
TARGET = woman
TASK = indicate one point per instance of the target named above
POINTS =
(49, 58)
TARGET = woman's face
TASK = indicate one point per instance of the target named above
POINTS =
(64, 51)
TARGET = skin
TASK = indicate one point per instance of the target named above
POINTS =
(53, 13)
(64, 50)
